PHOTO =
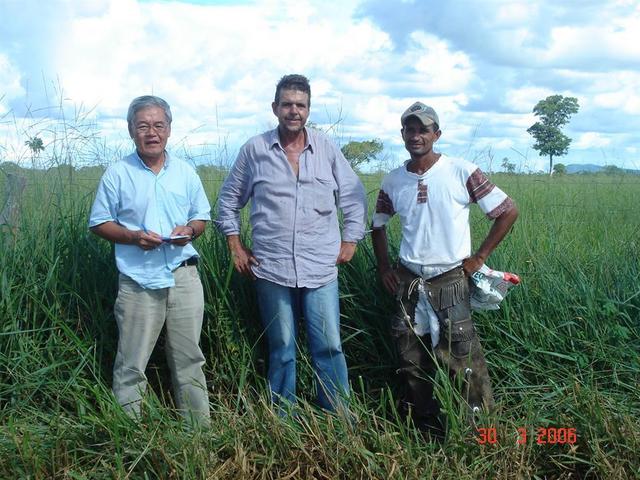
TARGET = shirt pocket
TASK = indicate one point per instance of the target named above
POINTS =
(177, 206)
(323, 199)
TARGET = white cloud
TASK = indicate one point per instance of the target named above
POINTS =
(505, 144)
(514, 13)
(525, 98)
(10, 81)
(441, 70)
(622, 95)
(578, 45)
(215, 65)
(633, 150)
(591, 140)
(383, 109)
(483, 69)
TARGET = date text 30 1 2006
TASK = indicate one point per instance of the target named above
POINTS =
(541, 436)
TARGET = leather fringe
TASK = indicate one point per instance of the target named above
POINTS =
(452, 294)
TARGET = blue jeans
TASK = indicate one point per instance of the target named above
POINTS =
(280, 307)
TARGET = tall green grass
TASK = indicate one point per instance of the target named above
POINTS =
(563, 352)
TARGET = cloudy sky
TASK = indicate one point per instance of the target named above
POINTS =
(482, 65)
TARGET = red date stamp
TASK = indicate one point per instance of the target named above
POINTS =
(539, 435)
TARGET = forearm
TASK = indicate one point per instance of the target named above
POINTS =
(234, 243)
(381, 248)
(501, 226)
(198, 227)
(388, 276)
(115, 233)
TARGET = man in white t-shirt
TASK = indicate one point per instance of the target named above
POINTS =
(432, 195)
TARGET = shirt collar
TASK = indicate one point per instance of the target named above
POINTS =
(167, 160)
(310, 139)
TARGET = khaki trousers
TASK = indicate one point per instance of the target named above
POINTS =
(141, 314)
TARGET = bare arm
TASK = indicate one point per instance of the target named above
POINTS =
(118, 234)
(501, 226)
(381, 250)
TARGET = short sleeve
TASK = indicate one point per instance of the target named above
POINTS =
(384, 206)
(105, 205)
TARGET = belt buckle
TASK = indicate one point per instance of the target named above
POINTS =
(191, 261)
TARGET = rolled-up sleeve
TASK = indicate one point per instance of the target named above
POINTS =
(234, 195)
(351, 199)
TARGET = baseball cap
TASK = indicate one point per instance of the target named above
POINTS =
(424, 113)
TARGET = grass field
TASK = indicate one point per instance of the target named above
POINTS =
(563, 352)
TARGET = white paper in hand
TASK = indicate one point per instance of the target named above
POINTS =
(174, 237)
(489, 287)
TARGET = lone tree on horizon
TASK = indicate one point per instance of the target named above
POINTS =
(359, 153)
(554, 112)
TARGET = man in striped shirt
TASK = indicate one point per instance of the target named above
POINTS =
(297, 180)
(432, 195)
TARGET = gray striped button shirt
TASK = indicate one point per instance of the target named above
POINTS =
(294, 221)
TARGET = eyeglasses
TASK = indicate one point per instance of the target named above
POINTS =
(146, 128)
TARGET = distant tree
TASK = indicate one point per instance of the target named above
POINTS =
(508, 166)
(359, 153)
(554, 112)
(612, 170)
(35, 145)
(560, 169)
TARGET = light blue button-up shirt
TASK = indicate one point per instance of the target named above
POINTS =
(131, 195)
(294, 221)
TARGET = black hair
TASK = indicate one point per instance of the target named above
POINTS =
(293, 82)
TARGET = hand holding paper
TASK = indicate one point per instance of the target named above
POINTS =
(175, 237)
(489, 287)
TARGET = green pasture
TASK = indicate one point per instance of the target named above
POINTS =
(563, 351)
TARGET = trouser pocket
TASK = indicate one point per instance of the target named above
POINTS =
(449, 296)
(459, 335)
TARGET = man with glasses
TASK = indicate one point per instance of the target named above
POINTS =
(152, 206)
(432, 195)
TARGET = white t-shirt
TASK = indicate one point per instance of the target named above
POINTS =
(434, 209)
